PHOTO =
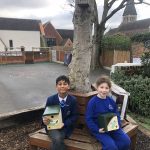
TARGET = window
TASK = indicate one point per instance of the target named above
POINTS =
(51, 42)
(11, 44)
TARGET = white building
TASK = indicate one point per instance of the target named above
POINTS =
(17, 33)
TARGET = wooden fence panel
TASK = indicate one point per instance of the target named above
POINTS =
(107, 58)
(110, 57)
(41, 56)
(11, 57)
(121, 56)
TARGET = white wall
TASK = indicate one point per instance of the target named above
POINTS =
(28, 39)
(2, 47)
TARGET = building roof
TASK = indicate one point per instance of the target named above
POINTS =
(66, 34)
(112, 31)
(19, 24)
(51, 32)
(63, 42)
(136, 25)
(139, 25)
(130, 9)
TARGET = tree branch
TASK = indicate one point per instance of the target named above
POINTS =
(146, 3)
(71, 3)
(111, 3)
(122, 5)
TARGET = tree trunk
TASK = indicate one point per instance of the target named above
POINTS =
(79, 68)
(100, 33)
(94, 62)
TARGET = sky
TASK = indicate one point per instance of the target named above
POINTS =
(58, 12)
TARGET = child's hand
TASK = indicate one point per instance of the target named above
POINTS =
(101, 130)
(46, 120)
(62, 125)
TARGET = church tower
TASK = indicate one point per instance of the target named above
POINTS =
(130, 14)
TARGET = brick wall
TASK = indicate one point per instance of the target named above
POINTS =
(50, 32)
(137, 50)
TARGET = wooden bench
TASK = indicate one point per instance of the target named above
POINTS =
(81, 138)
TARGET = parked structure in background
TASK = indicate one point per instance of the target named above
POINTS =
(22, 34)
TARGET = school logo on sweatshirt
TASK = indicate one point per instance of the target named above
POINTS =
(111, 107)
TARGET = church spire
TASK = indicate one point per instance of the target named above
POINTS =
(130, 14)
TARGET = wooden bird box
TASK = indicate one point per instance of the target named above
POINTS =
(82, 3)
(108, 121)
(54, 114)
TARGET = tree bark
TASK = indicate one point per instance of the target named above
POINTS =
(79, 68)
(94, 62)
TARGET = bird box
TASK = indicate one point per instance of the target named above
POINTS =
(82, 3)
(54, 114)
(108, 121)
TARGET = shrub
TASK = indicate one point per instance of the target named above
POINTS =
(118, 42)
(145, 59)
(140, 37)
(139, 89)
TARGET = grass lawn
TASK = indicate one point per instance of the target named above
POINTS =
(141, 120)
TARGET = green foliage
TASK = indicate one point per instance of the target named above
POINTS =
(140, 37)
(146, 63)
(117, 42)
(139, 89)
(142, 120)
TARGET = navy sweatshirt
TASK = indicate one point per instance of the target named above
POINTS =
(69, 112)
(98, 106)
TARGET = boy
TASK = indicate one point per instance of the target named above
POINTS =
(68, 106)
(101, 104)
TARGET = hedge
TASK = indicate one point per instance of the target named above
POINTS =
(118, 42)
(139, 89)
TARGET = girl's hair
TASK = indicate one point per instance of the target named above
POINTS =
(62, 78)
(103, 79)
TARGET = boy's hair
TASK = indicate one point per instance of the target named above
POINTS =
(63, 78)
(103, 79)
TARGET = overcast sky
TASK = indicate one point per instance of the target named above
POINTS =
(57, 11)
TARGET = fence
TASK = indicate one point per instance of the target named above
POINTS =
(110, 58)
(11, 57)
(40, 54)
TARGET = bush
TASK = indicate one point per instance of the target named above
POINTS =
(140, 37)
(145, 59)
(117, 42)
(139, 89)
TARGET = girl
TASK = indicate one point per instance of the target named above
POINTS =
(101, 104)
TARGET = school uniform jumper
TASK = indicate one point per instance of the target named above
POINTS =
(69, 117)
(69, 111)
(112, 140)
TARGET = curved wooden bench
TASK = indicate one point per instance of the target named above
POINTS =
(79, 140)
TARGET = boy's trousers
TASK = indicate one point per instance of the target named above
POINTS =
(57, 137)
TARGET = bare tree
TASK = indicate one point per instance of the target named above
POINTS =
(87, 47)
